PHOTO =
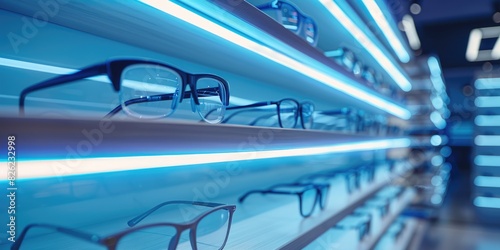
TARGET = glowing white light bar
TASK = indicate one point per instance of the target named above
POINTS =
(487, 83)
(487, 120)
(387, 30)
(365, 42)
(65, 167)
(347, 86)
(487, 140)
(487, 101)
(411, 32)
(487, 181)
(473, 53)
(487, 160)
(434, 67)
(487, 202)
(35, 66)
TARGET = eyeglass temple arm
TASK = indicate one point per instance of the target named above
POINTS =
(162, 97)
(82, 74)
(78, 234)
(142, 216)
(253, 105)
(243, 197)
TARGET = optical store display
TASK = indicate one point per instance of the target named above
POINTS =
(315, 149)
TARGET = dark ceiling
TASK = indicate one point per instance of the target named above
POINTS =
(444, 27)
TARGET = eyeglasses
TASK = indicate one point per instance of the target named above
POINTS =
(290, 17)
(209, 230)
(288, 110)
(309, 195)
(353, 176)
(151, 90)
(357, 221)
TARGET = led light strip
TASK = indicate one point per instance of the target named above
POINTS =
(487, 101)
(487, 120)
(363, 39)
(487, 160)
(411, 32)
(487, 140)
(487, 83)
(487, 181)
(487, 202)
(387, 31)
(347, 86)
(68, 167)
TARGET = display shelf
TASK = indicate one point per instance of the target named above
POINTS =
(371, 240)
(298, 232)
(126, 21)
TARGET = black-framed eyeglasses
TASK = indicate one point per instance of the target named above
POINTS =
(209, 230)
(292, 19)
(309, 195)
(150, 89)
(288, 110)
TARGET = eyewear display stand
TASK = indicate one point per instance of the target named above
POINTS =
(113, 169)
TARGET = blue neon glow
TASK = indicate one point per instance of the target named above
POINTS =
(487, 83)
(436, 140)
(487, 120)
(487, 202)
(437, 120)
(487, 101)
(434, 67)
(345, 85)
(381, 20)
(487, 140)
(487, 160)
(367, 43)
(487, 181)
(59, 167)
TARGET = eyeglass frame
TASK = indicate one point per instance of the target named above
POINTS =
(299, 105)
(319, 199)
(114, 69)
(301, 19)
(111, 241)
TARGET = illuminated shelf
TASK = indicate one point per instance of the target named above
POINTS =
(298, 232)
(173, 40)
(147, 145)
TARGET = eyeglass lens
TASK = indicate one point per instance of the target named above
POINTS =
(307, 114)
(288, 113)
(143, 81)
(211, 95)
(289, 17)
(309, 198)
(154, 91)
(310, 30)
(212, 230)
